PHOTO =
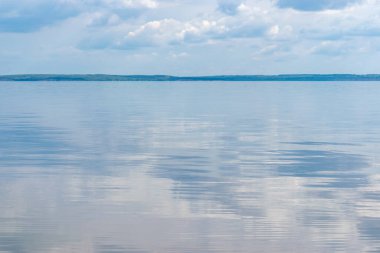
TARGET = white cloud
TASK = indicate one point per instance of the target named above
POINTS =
(249, 19)
(246, 31)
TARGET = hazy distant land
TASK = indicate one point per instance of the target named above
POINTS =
(101, 77)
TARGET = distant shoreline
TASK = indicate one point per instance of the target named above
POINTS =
(167, 78)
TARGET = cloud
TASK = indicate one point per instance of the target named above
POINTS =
(315, 5)
(24, 16)
(229, 7)
(168, 32)
(129, 3)
(245, 23)
(254, 21)
(28, 16)
(239, 33)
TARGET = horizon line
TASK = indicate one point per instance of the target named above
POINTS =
(163, 77)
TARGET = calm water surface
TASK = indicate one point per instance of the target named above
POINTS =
(189, 167)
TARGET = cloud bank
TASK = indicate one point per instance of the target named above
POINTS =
(242, 36)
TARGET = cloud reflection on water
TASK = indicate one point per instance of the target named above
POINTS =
(117, 173)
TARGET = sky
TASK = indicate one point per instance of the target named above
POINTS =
(189, 37)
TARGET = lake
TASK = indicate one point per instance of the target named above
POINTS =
(189, 167)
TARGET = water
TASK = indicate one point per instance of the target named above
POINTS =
(189, 167)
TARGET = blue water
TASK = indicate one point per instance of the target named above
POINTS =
(189, 167)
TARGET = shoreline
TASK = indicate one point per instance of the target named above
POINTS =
(168, 78)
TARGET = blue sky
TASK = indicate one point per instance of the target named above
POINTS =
(189, 37)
